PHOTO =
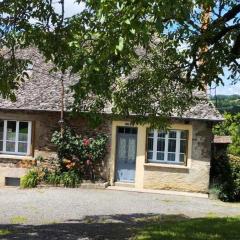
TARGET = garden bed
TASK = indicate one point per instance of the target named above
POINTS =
(79, 163)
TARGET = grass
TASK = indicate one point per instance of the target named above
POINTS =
(18, 220)
(211, 215)
(4, 232)
(192, 229)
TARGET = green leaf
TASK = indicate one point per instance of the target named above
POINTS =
(133, 31)
(128, 22)
(120, 45)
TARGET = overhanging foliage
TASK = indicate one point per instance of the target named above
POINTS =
(99, 46)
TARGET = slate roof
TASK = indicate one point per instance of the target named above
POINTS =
(42, 92)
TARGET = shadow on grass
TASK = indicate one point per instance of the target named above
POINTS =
(143, 226)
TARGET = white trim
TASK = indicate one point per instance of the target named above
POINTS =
(166, 165)
(29, 138)
(177, 153)
(16, 156)
(166, 152)
(16, 136)
(28, 142)
(166, 148)
(155, 135)
(4, 135)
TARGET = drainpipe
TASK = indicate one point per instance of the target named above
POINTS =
(62, 78)
(61, 122)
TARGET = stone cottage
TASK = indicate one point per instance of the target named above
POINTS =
(138, 156)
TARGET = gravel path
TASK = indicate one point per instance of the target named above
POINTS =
(58, 213)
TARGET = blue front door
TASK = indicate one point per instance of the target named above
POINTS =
(126, 154)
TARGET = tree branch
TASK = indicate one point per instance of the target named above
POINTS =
(215, 38)
(227, 16)
(236, 46)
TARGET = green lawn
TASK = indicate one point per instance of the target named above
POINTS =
(4, 232)
(192, 229)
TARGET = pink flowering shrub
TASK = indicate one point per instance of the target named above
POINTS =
(80, 153)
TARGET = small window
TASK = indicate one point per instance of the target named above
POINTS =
(15, 137)
(127, 130)
(11, 181)
(167, 147)
(28, 72)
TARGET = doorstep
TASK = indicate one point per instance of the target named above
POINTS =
(166, 192)
(124, 184)
(91, 185)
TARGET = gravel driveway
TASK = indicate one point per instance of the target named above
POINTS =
(58, 213)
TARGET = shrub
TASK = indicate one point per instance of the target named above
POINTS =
(70, 179)
(214, 191)
(30, 180)
(225, 172)
(80, 153)
(53, 178)
(230, 126)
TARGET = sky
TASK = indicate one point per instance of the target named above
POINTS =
(228, 88)
(72, 8)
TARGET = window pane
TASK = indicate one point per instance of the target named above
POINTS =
(1, 145)
(10, 146)
(122, 148)
(162, 134)
(22, 147)
(150, 143)
(171, 157)
(23, 131)
(160, 156)
(1, 129)
(134, 130)
(150, 155)
(127, 130)
(183, 134)
(172, 134)
(181, 157)
(161, 144)
(183, 145)
(121, 130)
(171, 145)
(11, 130)
(150, 133)
(131, 149)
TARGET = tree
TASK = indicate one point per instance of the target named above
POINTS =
(16, 25)
(230, 127)
(159, 43)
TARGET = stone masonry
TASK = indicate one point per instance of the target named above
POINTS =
(44, 124)
(195, 177)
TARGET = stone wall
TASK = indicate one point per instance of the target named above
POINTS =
(195, 176)
(44, 124)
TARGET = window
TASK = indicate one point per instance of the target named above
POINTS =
(167, 147)
(15, 137)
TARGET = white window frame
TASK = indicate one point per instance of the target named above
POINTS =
(16, 152)
(177, 152)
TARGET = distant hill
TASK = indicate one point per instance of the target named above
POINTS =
(227, 103)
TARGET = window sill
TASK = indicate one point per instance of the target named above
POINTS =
(21, 157)
(166, 165)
